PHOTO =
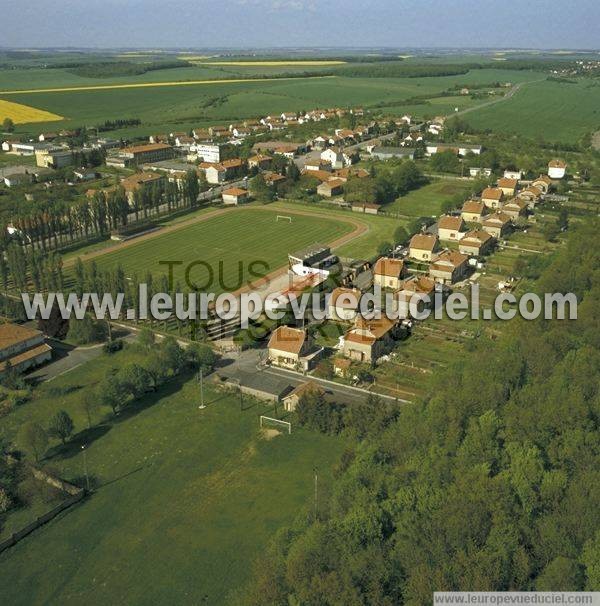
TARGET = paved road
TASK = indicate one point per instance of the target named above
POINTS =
(67, 358)
(248, 368)
(511, 93)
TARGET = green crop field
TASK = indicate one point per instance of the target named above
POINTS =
(186, 498)
(553, 111)
(192, 105)
(428, 200)
(228, 243)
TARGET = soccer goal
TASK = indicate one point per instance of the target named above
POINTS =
(283, 218)
(266, 421)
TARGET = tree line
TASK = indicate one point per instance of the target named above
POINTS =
(490, 482)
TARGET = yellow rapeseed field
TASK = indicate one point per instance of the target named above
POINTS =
(20, 114)
(67, 89)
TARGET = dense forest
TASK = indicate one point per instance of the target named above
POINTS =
(490, 483)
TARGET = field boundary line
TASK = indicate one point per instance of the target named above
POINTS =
(90, 87)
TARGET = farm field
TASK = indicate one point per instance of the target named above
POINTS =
(191, 105)
(228, 243)
(186, 498)
(554, 111)
(20, 114)
(428, 200)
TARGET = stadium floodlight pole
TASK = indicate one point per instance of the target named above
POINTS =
(200, 380)
(316, 472)
(85, 469)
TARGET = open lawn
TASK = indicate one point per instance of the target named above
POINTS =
(428, 200)
(553, 111)
(186, 498)
(228, 243)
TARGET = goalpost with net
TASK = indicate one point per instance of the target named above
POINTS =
(270, 421)
(283, 218)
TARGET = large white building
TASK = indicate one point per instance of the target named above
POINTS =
(557, 169)
(207, 151)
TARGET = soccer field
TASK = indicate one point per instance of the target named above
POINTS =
(216, 253)
(187, 497)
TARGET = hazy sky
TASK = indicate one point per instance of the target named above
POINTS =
(267, 23)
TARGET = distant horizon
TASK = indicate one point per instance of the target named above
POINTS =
(512, 49)
(276, 24)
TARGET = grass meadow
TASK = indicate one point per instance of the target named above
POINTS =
(428, 200)
(185, 499)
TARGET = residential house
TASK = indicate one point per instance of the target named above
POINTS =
(543, 183)
(346, 173)
(460, 149)
(532, 195)
(333, 187)
(343, 304)
(386, 153)
(473, 211)
(310, 388)
(412, 138)
(337, 158)
(320, 142)
(290, 348)
(284, 148)
(260, 161)
(557, 169)
(234, 196)
(497, 224)
(23, 347)
(476, 242)
(423, 246)
(54, 158)
(414, 289)
(508, 186)
(185, 141)
(388, 273)
(273, 179)
(201, 134)
(513, 174)
(515, 208)
(369, 339)
(141, 181)
(218, 131)
(449, 266)
(214, 172)
(492, 197)
(317, 165)
(450, 228)
(480, 172)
